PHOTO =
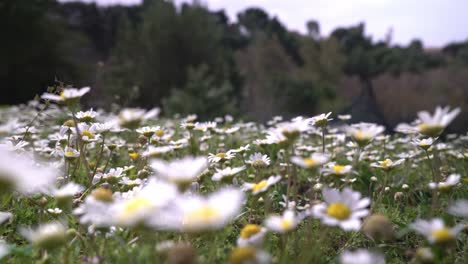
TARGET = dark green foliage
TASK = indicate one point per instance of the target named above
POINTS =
(201, 95)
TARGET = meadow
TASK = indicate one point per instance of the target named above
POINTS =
(133, 186)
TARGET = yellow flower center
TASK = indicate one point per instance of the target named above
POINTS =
(203, 214)
(338, 168)
(286, 224)
(159, 132)
(250, 230)
(135, 205)
(442, 235)
(103, 195)
(62, 94)
(221, 155)
(87, 133)
(309, 162)
(134, 155)
(258, 186)
(360, 135)
(339, 211)
(430, 130)
(242, 255)
(386, 163)
(69, 153)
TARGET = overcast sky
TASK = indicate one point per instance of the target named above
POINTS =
(436, 22)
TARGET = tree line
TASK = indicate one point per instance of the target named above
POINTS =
(189, 59)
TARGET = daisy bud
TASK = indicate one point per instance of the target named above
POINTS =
(378, 227)
(398, 196)
(42, 201)
(69, 123)
(318, 187)
(142, 140)
(405, 187)
(374, 179)
(423, 256)
(387, 189)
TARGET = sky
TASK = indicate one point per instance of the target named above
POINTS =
(435, 22)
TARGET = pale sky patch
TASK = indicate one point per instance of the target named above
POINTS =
(435, 22)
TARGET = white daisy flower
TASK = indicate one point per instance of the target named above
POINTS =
(23, 174)
(344, 117)
(142, 206)
(157, 151)
(321, 120)
(95, 210)
(337, 170)
(344, 209)
(4, 249)
(112, 176)
(363, 133)
(249, 255)
(282, 223)
(251, 235)
(459, 208)
(387, 164)
(67, 191)
(5, 216)
(261, 186)
(452, 180)
(258, 160)
(133, 117)
(433, 126)
(54, 211)
(313, 161)
(435, 230)
(219, 157)
(70, 153)
(226, 173)
(87, 116)
(182, 171)
(198, 213)
(67, 95)
(47, 236)
(424, 143)
(205, 126)
(361, 256)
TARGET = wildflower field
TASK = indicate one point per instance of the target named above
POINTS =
(85, 186)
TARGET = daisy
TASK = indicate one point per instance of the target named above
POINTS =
(220, 157)
(452, 180)
(4, 249)
(241, 149)
(113, 176)
(293, 129)
(182, 171)
(140, 207)
(345, 208)
(157, 151)
(344, 117)
(258, 160)
(205, 126)
(361, 256)
(66, 192)
(337, 170)
(313, 161)
(261, 186)
(95, 210)
(433, 126)
(424, 143)
(149, 131)
(321, 120)
(5, 216)
(459, 208)
(387, 164)
(68, 95)
(226, 173)
(435, 230)
(87, 132)
(363, 133)
(70, 153)
(23, 174)
(54, 211)
(251, 235)
(249, 255)
(284, 223)
(132, 117)
(197, 213)
(87, 116)
(48, 236)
